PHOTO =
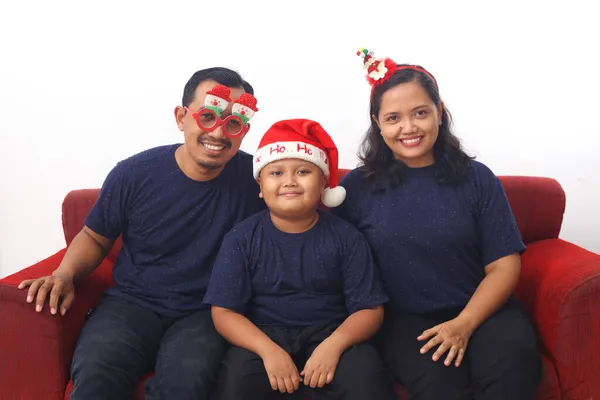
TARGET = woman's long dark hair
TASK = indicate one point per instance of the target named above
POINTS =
(378, 165)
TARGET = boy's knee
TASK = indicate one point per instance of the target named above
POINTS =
(361, 370)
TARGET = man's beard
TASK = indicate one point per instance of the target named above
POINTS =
(210, 165)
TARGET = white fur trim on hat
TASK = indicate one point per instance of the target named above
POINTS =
(333, 197)
(281, 150)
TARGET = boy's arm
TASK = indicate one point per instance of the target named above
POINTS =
(357, 328)
(364, 299)
(240, 331)
(228, 292)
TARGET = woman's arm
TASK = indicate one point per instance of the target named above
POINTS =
(500, 282)
(492, 293)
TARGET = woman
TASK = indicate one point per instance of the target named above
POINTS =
(447, 245)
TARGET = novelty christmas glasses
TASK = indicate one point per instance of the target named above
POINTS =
(217, 100)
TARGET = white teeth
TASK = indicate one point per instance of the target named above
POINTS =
(213, 147)
(411, 141)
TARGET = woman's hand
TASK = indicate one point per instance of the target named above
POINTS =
(451, 335)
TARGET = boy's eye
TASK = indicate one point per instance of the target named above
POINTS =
(275, 173)
(304, 172)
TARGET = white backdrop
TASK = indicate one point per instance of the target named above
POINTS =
(83, 85)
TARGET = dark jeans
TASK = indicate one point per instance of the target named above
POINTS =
(359, 375)
(502, 359)
(122, 341)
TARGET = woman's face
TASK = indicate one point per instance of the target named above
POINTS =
(409, 123)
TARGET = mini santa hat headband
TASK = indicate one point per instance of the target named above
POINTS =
(381, 69)
(305, 140)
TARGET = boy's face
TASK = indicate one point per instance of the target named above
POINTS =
(291, 186)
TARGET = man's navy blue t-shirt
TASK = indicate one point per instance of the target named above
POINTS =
(171, 226)
(431, 241)
(320, 276)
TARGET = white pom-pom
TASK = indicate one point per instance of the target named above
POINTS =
(334, 197)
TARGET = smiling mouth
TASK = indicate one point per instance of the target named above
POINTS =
(290, 194)
(414, 141)
(213, 147)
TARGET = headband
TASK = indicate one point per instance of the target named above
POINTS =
(381, 69)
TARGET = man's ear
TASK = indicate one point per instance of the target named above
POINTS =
(374, 118)
(179, 115)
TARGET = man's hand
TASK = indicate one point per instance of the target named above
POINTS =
(320, 367)
(59, 286)
(451, 335)
(282, 372)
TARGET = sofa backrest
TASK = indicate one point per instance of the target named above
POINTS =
(75, 208)
(538, 204)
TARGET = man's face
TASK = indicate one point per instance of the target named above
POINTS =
(210, 150)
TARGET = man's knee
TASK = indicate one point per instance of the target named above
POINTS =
(112, 354)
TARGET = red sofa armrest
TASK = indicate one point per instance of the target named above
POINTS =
(560, 288)
(36, 348)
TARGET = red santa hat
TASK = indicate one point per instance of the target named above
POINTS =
(306, 140)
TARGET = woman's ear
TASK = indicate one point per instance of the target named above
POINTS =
(374, 118)
(440, 112)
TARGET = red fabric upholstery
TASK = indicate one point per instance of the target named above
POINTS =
(559, 287)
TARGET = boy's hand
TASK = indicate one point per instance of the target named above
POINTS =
(59, 287)
(320, 367)
(281, 370)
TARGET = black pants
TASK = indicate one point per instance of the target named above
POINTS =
(122, 341)
(359, 374)
(502, 360)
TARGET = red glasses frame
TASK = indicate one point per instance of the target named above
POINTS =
(219, 122)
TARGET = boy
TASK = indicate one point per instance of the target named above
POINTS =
(295, 289)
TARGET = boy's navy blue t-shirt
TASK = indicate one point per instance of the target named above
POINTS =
(320, 276)
(431, 241)
(171, 226)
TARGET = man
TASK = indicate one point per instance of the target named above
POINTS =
(172, 205)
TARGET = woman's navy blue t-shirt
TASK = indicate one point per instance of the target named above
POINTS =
(432, 241)
(320, 276)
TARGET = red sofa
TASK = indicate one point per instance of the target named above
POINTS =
(559, 287)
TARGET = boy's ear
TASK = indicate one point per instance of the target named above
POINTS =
(260, 194)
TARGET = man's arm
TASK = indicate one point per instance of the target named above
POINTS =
(85, 253)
